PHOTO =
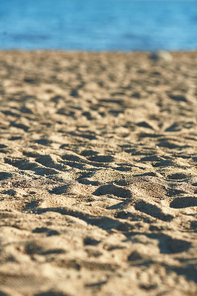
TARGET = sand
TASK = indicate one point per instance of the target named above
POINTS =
(98, 175)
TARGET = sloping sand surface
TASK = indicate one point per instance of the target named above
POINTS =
(98, 175)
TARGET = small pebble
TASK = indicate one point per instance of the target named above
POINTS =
(161, 55)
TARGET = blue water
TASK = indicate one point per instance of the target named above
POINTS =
(98, 25)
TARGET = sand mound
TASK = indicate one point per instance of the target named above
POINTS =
(98, 177)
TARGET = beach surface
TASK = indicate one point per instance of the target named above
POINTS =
(98, 174)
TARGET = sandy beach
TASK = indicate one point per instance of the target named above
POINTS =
(98, 174)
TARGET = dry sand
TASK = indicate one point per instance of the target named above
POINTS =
(98, 176)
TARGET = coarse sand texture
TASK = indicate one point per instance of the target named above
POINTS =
(98, 174)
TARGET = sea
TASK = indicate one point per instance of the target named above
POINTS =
(98, 25)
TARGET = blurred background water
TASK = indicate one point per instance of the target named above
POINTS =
(98, 25)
